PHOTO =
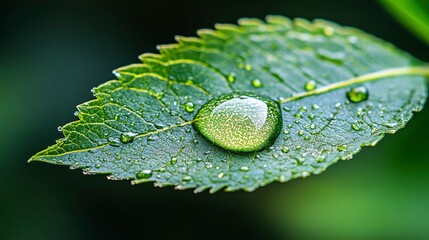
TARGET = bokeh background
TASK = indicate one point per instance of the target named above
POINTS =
(53, 52)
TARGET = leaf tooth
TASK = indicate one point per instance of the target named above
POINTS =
(185, 41)
(134, 68)
(304, 24)
(144, 56)
(210, 33)
(250, 22)
(279, 20)
(224, 27)
(167, 46)
(216, 188)
(201, 188)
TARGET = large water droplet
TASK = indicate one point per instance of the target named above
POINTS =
(240, 122)
(358, 94)
(127, 137)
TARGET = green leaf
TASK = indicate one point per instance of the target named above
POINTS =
(139, 127)
(413, 14)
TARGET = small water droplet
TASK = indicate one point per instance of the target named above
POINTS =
(321, 159)
(285, 149)
(144, 174)
(358, 94)
(315, 106)
(312, 126)
(248, 67)
(256, 83)
(189, 107)
(356, 126)
(352, 39)
(60, 129)
(282, 178)
(305, 174)
(186, 178)
(151, 138)
(301, 132)
(328, 31)
(173, 160)
(127, 137)
(220, 175)
(286, 131)
(298, 115)
(114, 142)
(97, 165)
(342, 147)
(298, 147)
(337, 105)
(231, 78)
(310, 85)
(240, 122)
(244, 169)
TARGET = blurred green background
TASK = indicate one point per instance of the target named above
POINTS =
(53, 52)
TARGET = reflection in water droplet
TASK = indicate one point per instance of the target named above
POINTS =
(144, 174)
(310, 85)
(127, 137)
(60, 129)
(256, 83)
(240, 122)
(358, 94)
(189, 107)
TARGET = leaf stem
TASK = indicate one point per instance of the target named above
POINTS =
(392, 72)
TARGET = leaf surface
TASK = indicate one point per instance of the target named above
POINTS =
(146, 106)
